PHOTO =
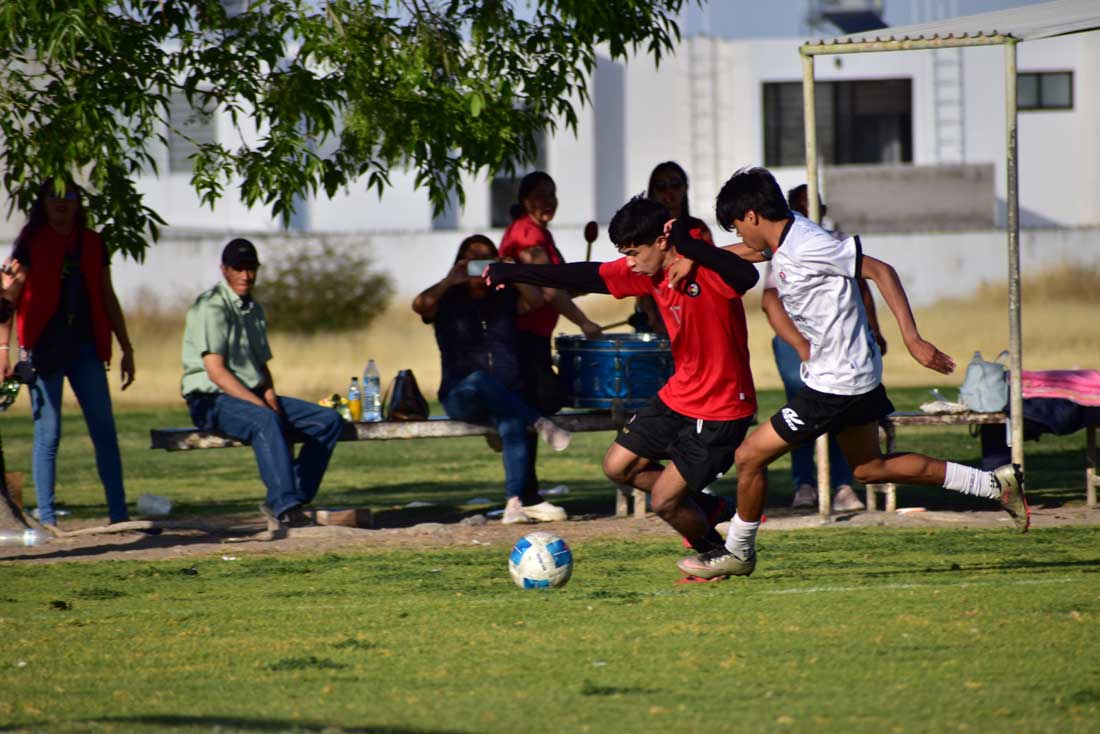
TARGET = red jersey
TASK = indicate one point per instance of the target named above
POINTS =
(710, 344)
(522, 234)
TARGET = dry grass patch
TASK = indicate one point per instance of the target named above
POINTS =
(1058, 319)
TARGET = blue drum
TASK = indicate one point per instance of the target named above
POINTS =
(615, 371)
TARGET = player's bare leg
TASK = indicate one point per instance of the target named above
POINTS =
(668, 491)
(861, 448)
(1004, 484)
(738, 556)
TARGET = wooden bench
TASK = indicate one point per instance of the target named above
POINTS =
(188, 439)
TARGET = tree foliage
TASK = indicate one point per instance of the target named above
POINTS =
(442, 86)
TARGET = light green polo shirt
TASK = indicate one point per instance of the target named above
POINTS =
(219, 322)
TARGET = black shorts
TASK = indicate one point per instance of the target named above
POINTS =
(811, 413)
(701, 450)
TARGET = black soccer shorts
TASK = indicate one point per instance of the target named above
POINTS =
(811, 413)
(701, 450)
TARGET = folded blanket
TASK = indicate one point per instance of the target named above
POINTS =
(1079, 386)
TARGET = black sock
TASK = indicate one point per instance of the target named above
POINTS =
(711, 504)
(708, 542)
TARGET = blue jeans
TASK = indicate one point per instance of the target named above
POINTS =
(290, 482)
(479, 398)
(802, 457)
(88, 378)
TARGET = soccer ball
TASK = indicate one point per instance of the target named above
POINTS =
(540, 560)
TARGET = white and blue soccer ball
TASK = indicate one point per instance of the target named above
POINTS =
(540, 560)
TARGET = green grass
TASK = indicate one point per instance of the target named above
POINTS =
(839, 631)
(388, 474)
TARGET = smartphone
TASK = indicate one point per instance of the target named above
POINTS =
(475, 268)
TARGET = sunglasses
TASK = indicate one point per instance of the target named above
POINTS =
(69, 196)
(673, 184)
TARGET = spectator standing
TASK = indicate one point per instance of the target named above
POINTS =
(67, 311)
(528, 240)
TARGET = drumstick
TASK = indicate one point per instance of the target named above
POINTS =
(591, 232)
(624, 322)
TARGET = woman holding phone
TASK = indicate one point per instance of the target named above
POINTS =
(475, 328)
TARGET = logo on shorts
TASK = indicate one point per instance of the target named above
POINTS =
(782, 276)
(791, 419)
(692, 290)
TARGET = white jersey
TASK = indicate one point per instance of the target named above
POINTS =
(815, 275)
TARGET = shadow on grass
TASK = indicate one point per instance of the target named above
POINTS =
(145, 542)
(246, 724)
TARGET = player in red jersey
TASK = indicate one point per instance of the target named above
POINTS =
(701, 415)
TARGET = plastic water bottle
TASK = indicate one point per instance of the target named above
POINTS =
(355, 401)
(30, 536)
(372, 393)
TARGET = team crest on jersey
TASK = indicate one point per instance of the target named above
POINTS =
(693, 289)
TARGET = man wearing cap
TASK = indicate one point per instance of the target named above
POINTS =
(229, 389)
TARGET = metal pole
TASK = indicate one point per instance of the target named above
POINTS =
(809, 114)
(1015, 340)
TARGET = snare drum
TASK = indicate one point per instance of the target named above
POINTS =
(616, 370)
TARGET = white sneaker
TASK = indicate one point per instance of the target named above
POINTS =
(806, 496)
(846, 500)
(553, 434)
(545, 512)
(515, 517)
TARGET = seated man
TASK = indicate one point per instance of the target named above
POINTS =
(229, 389)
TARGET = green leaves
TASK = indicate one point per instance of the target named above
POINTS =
(310, 97)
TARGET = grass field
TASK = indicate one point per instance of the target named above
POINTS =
(840, 630)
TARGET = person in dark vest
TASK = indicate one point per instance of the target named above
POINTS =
(66, 314)
(475, 328)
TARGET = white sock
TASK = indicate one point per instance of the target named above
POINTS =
(741, 541)
(968, 480)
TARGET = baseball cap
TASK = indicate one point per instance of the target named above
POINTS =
(240, 254)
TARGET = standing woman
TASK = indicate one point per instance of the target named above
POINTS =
(668, 184)
(528, 240)
(67, 310)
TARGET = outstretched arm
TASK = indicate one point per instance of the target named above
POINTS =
(889, 285)
(582, 277)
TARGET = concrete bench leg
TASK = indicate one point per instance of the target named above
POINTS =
(623, 496)
(1091, 479)
(890, 490)
(622, 500)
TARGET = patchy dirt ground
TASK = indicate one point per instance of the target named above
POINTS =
(237, 536)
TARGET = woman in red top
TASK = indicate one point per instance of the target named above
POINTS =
(668, 184)
(67, 311)
(528, 240)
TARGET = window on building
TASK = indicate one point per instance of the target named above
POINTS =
(866, 121)
(1044, 90)
(504, 186)
(189, 127)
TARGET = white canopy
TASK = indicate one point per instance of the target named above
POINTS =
(1027, 23)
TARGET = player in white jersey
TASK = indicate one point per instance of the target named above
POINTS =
(817, 282)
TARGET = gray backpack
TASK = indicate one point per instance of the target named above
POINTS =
(985, 387)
